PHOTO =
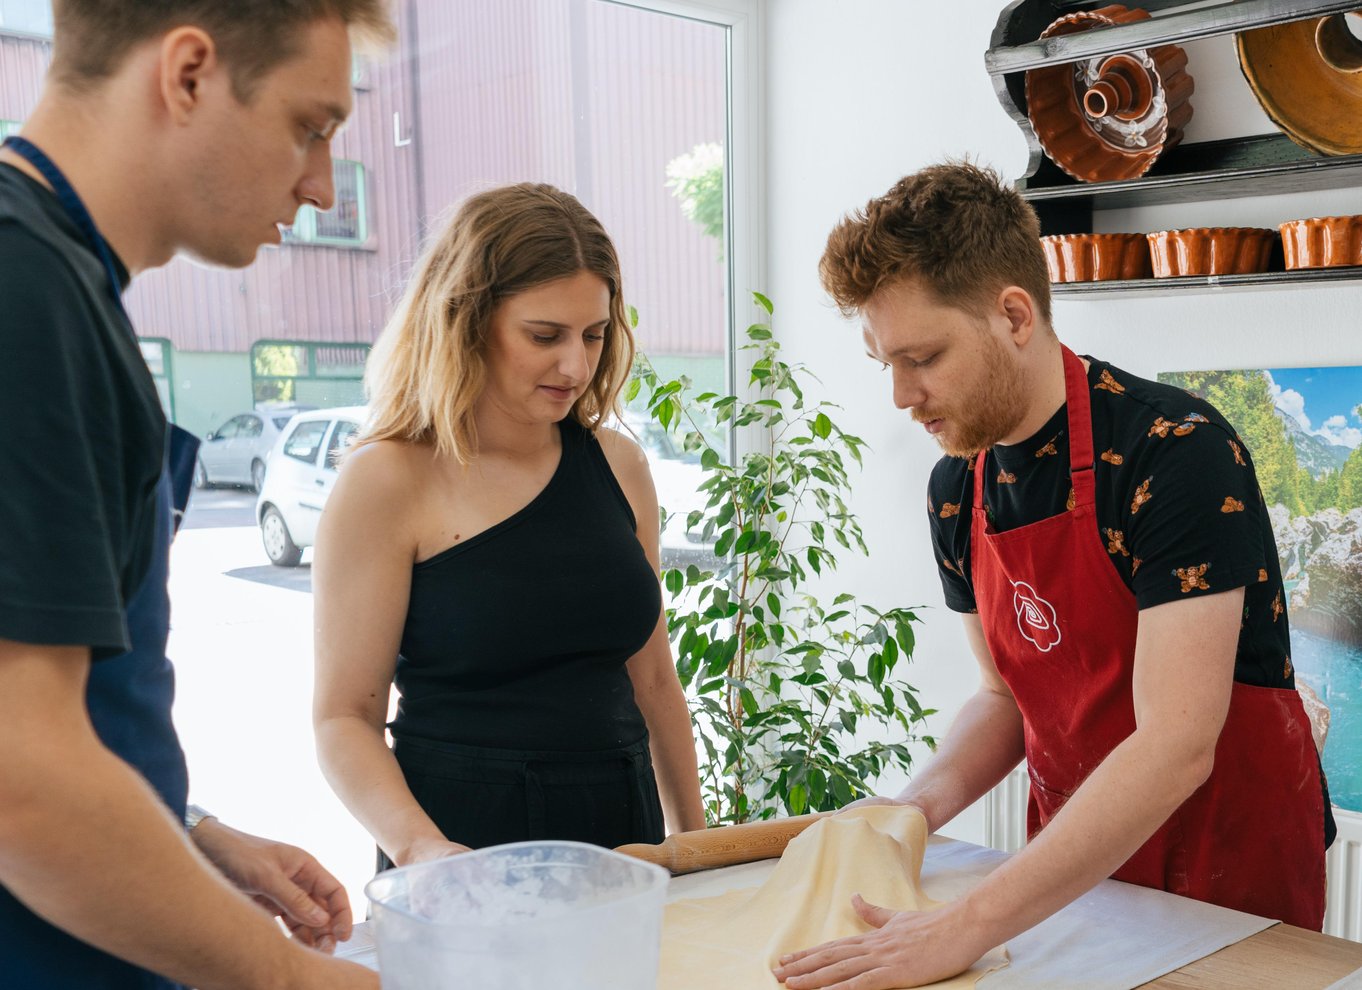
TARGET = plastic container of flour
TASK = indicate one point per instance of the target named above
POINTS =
(520, 917)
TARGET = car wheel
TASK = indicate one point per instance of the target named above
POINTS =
(279, 545)
(257, 475)
(200, 474)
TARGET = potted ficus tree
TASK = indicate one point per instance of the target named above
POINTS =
(792, 696)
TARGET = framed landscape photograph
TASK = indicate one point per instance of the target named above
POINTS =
(1303, 431)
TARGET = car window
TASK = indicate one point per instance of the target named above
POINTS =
(340, 439)
(281, 421)
(227, 430)
(305, 440)
(251, 426)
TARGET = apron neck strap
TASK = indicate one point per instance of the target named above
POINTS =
(1080, 434)
(73, 206)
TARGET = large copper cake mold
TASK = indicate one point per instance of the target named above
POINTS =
(1322, 242)
(1210, 251)
(1308, 77)
(1096, 257)
(1109, 118)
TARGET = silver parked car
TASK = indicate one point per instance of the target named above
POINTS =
(235, 453)
(302, 472)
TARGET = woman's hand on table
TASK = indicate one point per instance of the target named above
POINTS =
(906, 949)
(283, 879)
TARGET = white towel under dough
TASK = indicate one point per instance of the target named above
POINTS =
(731, 941)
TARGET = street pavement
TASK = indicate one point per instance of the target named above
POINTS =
(241, 640)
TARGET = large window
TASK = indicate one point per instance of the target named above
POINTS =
(639, 109)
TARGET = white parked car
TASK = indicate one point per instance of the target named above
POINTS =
(302, 472)
(677, 476)
(235, 453)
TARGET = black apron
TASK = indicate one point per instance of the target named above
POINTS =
(129, 697)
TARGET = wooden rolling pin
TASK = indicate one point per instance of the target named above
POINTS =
(710, 848)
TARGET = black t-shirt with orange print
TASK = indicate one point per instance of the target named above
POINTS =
(1178, 508)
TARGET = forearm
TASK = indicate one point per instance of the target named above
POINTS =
(1120, 805)
(672, 747)
(365, 775)
(982, 746)
(86, 844)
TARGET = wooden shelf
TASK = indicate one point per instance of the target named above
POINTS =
(1261, 165)
(1202, 283)
(1175, 27)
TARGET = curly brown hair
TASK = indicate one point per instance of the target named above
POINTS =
(957, 227)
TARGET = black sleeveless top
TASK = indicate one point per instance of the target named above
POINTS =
(517, 638)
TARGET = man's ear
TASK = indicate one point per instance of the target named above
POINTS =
(188, 56)
(1016, 306)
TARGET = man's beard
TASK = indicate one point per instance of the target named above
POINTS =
(997, 410)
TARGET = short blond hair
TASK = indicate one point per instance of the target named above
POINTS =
(90, 38)
(428, 367)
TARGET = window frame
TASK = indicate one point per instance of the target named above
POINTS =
(304, 229)
(744, 173)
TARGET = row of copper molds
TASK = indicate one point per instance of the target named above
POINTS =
(1320, 242)
(1074, 139)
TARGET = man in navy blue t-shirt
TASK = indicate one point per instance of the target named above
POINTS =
(166, 126)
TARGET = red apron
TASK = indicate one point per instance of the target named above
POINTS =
(1061, 625)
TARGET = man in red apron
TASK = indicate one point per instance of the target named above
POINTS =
(1108, 544)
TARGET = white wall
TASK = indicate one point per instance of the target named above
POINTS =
(860, 93)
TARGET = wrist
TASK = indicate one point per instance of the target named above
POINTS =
(194, 816)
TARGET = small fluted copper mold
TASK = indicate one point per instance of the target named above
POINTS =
(1210, 251)
(1308, 77)
(1108, 118)
(1096, 257)
(1322, 242)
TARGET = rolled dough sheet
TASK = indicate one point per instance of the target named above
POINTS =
(732, 940)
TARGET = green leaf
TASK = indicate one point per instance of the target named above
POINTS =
(633, 317)
(907, 639)
(797, 800)
(675, 581)
(764, 303)
(822, 426)
(890, 654)
(746, 540)
(631, 393)
(709, 459)
(759, 332)
(773, 603)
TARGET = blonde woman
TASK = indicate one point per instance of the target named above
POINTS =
(493, 551)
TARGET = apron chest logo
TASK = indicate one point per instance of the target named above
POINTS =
(1035, 617)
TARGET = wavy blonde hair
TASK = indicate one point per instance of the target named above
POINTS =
(428, 366)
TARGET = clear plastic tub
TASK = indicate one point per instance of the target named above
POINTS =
(525, 916)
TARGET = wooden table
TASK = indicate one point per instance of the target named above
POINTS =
(1279, 957)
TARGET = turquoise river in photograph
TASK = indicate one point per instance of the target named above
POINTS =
(1334, 670)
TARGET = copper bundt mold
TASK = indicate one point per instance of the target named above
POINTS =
(1210, 251)
(1322, 242)
(1308, 77)
(1096, 257)
(1109, 118)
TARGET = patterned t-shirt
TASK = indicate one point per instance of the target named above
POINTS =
(1178, 508)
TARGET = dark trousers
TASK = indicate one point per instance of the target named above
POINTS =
(484, 797)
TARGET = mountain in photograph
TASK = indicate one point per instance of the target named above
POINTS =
(1313, 453)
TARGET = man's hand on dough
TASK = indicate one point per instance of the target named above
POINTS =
(906, 949)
